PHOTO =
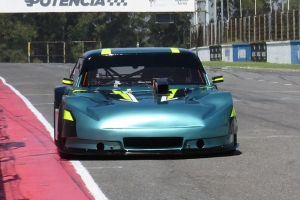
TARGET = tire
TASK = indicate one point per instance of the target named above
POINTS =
(60, 146)
(60, 142)
(232, 151)
(234, 142)
(54, 135)
(63, 155)
(235, 139)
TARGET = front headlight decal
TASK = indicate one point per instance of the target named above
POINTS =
(232, 113)
(68, 115)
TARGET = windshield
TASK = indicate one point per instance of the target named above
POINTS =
(141, 68)
(131, 75)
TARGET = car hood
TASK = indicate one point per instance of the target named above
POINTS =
(117, 109)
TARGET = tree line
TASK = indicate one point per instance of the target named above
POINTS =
(111, 29)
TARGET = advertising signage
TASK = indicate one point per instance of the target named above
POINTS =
(44, 6)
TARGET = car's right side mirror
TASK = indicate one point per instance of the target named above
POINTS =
(218, 79)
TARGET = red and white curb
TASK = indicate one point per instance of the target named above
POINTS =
(29, 165)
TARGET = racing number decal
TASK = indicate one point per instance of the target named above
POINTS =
(125, 96)
(171, 95)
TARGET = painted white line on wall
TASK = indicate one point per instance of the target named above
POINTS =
(80, 169)
(288, 84)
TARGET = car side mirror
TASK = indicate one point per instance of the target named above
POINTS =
(67, 81)
(218, 79)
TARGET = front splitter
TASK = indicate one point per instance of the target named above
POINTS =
(213, 150)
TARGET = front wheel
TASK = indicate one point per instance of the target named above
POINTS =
(61, 141)
(63, 155)
(54, 124)
(60, 146)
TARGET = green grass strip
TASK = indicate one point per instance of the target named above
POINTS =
(251, 65)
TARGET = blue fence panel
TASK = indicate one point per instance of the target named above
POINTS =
(241, 52)
(295, 51)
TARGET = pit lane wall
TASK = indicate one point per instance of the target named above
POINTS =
(283, 52)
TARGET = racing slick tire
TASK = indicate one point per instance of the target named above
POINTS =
(60, 142)
(54, 124)
(234, 137)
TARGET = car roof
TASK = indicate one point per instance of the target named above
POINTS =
(169, 52)
(134, 50)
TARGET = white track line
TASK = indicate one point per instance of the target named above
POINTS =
(270, 136)
(80, 169)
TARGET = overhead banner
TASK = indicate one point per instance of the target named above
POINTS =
(46, 6)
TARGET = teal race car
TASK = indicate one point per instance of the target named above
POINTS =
(120, 101)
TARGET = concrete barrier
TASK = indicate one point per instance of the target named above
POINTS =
(227, 53)
(279, 52)
(202, 52)
(282, 52)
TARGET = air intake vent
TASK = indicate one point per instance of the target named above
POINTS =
(152, 142)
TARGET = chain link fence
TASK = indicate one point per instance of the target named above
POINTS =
(275, 26)
(58, 51)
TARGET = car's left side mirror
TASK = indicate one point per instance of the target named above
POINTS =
(67, 81)
(218, 79)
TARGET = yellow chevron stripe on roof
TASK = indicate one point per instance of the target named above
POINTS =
(175, 50)
(105, 51)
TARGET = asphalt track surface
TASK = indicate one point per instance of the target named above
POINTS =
(266, 165)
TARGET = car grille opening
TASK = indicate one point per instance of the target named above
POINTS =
(153, 142)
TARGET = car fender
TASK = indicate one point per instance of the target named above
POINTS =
(59, 91)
